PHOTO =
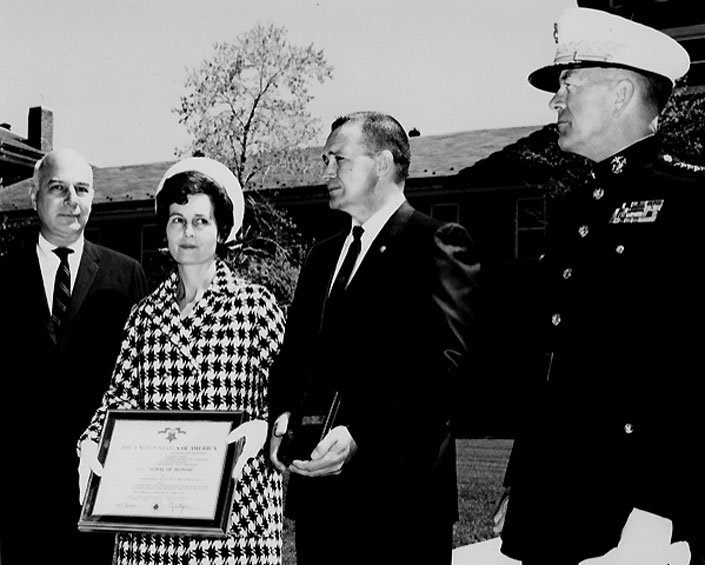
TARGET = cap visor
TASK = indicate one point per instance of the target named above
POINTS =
(546, 78)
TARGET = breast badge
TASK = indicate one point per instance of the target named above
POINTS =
(638, 212)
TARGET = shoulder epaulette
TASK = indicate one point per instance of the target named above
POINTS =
(677, 163)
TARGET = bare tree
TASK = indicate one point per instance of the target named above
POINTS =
(248, 104)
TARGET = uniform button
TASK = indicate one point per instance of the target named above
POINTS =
(628, 428)
(583, 231)
(567, 273)
(556, 319)
(619, 249)
(598, 193)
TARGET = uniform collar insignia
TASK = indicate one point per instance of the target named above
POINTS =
(637, 212)
(618, 163)
(629, 159)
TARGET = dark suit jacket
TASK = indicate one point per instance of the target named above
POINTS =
(394, 348)
(50, 390)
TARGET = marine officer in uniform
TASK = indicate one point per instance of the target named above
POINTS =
(609, 464)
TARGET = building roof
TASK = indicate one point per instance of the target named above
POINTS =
(16, 154)
(513, 165)
(432, 155)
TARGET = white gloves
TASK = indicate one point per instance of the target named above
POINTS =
(253, 434)
(87, 464)
(646, 540)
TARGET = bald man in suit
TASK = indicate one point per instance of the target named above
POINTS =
(59, 354)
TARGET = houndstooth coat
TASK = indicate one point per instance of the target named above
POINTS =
(216, 358)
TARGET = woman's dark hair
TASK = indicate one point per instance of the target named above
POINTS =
(177, 189)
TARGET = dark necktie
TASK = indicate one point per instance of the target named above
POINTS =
(62, 289)
(341, 281)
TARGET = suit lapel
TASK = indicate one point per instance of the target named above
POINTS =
(87, 270)
(330, 260)
(368, 269)
(382, 244)
(329, 254)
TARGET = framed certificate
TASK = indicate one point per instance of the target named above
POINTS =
(164, 471)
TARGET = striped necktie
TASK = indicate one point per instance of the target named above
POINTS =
(62, 289)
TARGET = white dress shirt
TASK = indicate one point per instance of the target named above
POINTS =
(49, 264)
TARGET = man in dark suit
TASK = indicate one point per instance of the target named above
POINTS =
(608, 469)
(58, 352)
(380, 487)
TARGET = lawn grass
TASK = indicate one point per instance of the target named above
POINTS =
(481, 464)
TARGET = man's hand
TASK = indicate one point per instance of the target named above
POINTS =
(329, 456)
(281, 425)
(253, 434)
(88, 462)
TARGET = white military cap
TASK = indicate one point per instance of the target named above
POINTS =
(222, 176)
(587, 37)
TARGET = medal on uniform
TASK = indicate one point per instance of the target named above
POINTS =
(637, 212)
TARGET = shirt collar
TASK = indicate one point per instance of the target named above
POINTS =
(377, 221)
(47, 248)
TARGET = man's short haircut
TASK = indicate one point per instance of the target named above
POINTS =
(380, 132)
(177, 189)
(657, 89)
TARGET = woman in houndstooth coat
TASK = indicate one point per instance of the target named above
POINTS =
(203, 340)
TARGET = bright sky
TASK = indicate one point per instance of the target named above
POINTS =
(112, 70)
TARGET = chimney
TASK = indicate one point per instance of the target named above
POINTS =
(40, 128)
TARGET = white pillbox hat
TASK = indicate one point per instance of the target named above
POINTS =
(219, 173)
(587, 37)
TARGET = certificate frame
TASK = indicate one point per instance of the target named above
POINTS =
(156, 480)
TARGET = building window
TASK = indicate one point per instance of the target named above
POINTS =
(446, 212)
(530, 221)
